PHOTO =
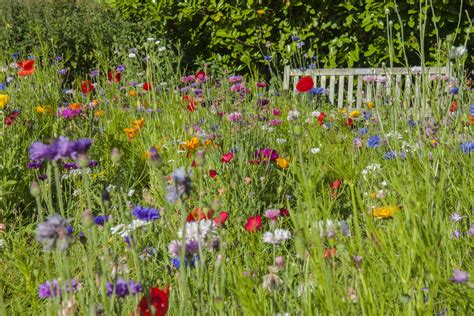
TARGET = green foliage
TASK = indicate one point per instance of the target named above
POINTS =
(340, 33)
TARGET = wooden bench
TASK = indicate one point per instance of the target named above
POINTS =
(349, 78)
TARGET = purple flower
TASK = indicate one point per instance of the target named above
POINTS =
(94, 73)
(362, 131)
(68, 113)
(34, 164)
(390, 155)
(456, 234)
(93, 163)
(39, 151)
(262, 101)
(62, 72)
(192, 247)
(70, 165)
(182, 185)
(267, 58)
(52, 289)
(467, 147)
(357, 260)
(101, 219)
(120, 68)
(456, 217)
(54, 233)
(235, 79)
(122, 288)
(266, 154)
(145, 213)
(460, 276)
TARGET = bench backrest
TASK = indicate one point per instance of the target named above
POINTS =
(366, 81)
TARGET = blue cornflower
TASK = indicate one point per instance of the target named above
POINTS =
(411, 123)
(16, 55)
(362, 131)
(312, 66)
(300, 44)
(101, 219)
(191, 263)
(373, 141)
(145, 213)
(316, 91)
(454, 90)
(122, 288)
(267, 58)
(467, 147)
(390, 155)
(471, 109)
(2, 86)
(295, 38)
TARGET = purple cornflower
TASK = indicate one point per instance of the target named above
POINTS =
(62, 72)
(456, 234)
(36, 164)
(51, 288)
(101, 219)
(120, 288)
(267, 58)
(262, 101)
(373, 141)
(94, 73)
(93, 163)
(42, 177)
(61, 148)
(145, 213)
(70, 165)
(120, 68)
(456, 217)
(460, 276)
(362, 131)
(357, 143)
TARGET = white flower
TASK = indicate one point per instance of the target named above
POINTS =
(281, 140)
(125, 230)
(416, 70)
(315, 113)
(132, 55)
(332, 227)
(293, 115)
(2, 243)
(279, 236)
(158, 42)
(150, 39)
(198, 230)
(370, 169)
(161, 49)
(315, 150)
(131, 193)
(457, 52)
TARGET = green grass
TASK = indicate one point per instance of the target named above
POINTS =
(408, 259)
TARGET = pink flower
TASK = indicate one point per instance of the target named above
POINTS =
(272, 214)
(234, 117)
(221, 218)
(276, 112)
(227, 157)
(212, 173)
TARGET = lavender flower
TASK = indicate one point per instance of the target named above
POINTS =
(51, 289)
(54, 233)
(145, 213)
(182, 185)
(460, 276)
(34, 164)
(456, 217)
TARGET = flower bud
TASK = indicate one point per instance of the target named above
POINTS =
(35, 189)
(83, 161)
(116, 155)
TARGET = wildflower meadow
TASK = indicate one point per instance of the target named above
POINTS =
(145, 187)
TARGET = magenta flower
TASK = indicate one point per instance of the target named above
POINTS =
(272, 214)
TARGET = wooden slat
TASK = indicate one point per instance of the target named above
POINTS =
(332, 81)
(388, 86)
(286, 78)
(340, 96)
(323, 82)
(295, 81)
(350, 86)
(398, 80)
(364, 71)
(407, 91)
(359, 91)
(378, 89)
(369, 92)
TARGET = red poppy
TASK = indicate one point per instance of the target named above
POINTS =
(329, 253)
(212, 173)
(8, 121)
(305, 84)
(198, 214)
(86, 86)
(253, 224)
(147, 86)
(200, 75)
(27, 68)
(191, 106)
(158, 299)
(350, 122)
(321, 118)
(454, 105)
(227, 157)
(114, 76)
(221, 218)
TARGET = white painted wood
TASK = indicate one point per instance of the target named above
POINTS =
(378, 89)
(350, 86)
(398, 80)
(323, 82)
(295, 81)
(359, 91)
(369, 91)
(340, 93)
(332, 81)
(286, 78)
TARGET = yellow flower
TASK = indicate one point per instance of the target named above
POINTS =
(282, 163)
(131, 132)
(370, 105)
(3, 100)
(99, 113)
(147, 155)
(138, 123)
(132, 93)
(192, 144)
(208, 142)
(354, 114)
(260, 12)
(342, 111)
(384, 211)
